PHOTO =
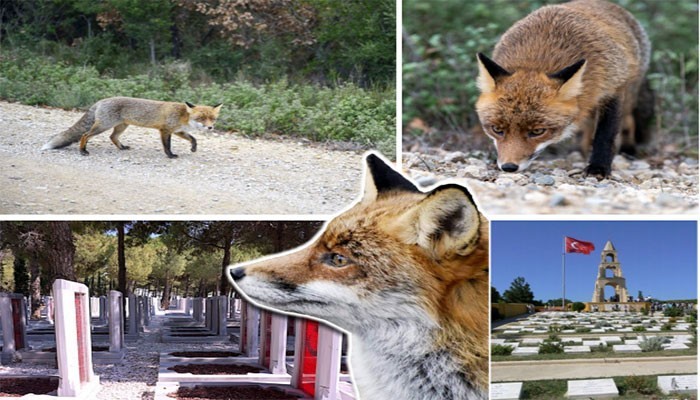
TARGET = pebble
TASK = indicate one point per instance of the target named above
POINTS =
(557, 200)
(545, 180)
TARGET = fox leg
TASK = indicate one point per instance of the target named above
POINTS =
(188, 137)
(118, 130)
(609, 120)
(165, 137)
(96, 129)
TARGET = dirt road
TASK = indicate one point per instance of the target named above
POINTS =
(229, 174)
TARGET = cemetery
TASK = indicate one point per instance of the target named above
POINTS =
(609, 348)
(184, 338)
(207, 347)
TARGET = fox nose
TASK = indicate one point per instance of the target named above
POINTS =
(509, 167)
(210, 127)
(238, 273)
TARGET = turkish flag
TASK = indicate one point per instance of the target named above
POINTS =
(578, 246)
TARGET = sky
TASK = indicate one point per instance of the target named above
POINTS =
(657, 257)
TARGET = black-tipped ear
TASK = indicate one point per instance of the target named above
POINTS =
(495, 70)
(566, 73)
(217, 106)
(381, 178)
(190, 105)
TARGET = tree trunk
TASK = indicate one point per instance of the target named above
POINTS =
(121, 259)
(35, 288)
(59, 250)
(222, 284)
(152, 45)
(165, 300)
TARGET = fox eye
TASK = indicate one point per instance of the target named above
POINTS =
(536, 132)
(497, 130)
(338, 260)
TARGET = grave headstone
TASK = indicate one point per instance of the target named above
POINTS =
(577, 349)
(506, 391)
(627, 348)
(73, 341)
(328, 367)
(525, 351)
(678, 384)
(116, 322)
(13, 317)
(252, 327)
(133, 315)
(278, 344)
(592, 389)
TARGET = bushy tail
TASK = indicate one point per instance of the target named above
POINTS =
(72, 134)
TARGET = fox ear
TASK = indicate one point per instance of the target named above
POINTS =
(445, 223)
(489, 73)
(571, 78)
(381, 178)
(189, 105)
(217, 107)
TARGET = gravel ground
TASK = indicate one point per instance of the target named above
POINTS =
(136, 377)
(557, 186)
(229, 174)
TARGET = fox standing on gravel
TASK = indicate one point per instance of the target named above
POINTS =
(406, 273)
(563, 69)
(177, 119)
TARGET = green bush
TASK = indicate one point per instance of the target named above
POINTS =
(501, 350)
(583, 330)
(601, 348)
(639, 329)
(651, 343)
(643, 385)
(549, 347)
(578, 306)
(673, 312)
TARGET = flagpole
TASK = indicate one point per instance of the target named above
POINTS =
(563, 275)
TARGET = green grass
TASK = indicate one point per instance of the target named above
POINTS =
(630, 387)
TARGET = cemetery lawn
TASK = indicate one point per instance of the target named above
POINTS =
(596, 354)
(630, 387)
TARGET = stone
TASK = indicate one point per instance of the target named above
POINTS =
(611, 339)
(506, 391)
(592, 389)
(498, 341)
(675, 346)
(627, 348)
(593, 343)
(531, 341)
(511, 332)
(670, 384)
(577, 349)
(525, 351)
(73, 340)
(13, 318)
(116, 322)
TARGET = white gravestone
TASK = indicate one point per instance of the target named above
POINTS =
(592, 389)
(506, 391)
(678, 384)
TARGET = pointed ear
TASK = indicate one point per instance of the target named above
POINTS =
(381, 178)
(217, 107)
(189, 105)
(445, 223)
(489, 73)
(571, 78)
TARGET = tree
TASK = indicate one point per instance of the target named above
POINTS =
(578, 306)
(519, 292)
(495, 296)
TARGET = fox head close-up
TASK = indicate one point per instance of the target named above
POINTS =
(406, 273)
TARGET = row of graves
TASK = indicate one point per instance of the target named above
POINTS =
(75, 332)
(267, 355)
(622, 332)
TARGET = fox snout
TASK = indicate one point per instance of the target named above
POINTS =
(238, 273)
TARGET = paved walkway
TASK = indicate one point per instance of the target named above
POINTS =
(509, 371)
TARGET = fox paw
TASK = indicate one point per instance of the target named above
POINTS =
(172, 155)
(125, 147)
(599, 171)
(84, 152)
(193, 149)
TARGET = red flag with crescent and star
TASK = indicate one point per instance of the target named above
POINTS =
(578, 246)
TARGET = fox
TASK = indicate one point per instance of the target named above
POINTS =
(179, 119)
(406, 273)
(566, 69)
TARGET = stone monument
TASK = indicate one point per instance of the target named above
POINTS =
(609, 261)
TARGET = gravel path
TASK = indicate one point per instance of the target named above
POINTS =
(229, 174)
(557, 186)
(136, 377)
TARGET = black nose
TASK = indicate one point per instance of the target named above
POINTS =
(509, 167)
(238, 273)
(210, 127)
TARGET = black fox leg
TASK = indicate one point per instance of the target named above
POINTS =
(115, 136)
(188, 137)
(604, 140)
(165, 138)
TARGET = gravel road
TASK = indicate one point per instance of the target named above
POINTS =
(557, 186)
(229, 173)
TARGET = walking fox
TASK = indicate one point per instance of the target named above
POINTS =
(179, 119)
(563, 69)
(406, 273)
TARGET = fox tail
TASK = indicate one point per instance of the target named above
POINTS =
(72, 134)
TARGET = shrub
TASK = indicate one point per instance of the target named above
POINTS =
(583, 330)
(501, 350)
(549, 347)
(601, 348)
(639, 329)
(673, 312)
(643, 385)
(666, 327)
(554, 328)
(651, 343)
(578, 306)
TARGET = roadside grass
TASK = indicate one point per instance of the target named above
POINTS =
(595, 354)
(630, 387)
